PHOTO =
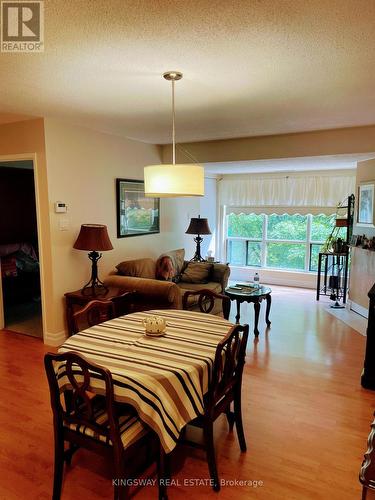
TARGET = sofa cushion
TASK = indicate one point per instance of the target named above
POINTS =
(140, 268)
(196, 272)
(177, 258)
(194, 287)
(164, 268)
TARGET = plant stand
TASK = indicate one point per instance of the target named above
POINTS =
(333, 265)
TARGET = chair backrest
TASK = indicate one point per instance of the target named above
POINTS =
(228, 365)
(124, 302)
(69, 375)
(95, 312)
(206, 301)
(367, 473)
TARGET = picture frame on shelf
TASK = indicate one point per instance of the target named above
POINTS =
(365, 212)
(354, 240)
(137, 214)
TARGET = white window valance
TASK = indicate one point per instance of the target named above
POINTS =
(280, 210)
(303, 191)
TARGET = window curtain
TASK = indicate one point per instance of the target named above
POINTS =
(295, 193)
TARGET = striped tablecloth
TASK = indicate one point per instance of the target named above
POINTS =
(164, 378)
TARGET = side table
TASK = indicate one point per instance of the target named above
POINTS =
(255, 296)
(75, 300)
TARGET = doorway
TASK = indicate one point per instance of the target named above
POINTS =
(19, 249)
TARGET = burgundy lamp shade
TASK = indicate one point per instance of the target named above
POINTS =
(93, 237)
(198, 226)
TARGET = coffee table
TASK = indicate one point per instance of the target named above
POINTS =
(251, 295)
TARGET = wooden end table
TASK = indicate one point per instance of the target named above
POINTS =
(75, 300)
(255, 296)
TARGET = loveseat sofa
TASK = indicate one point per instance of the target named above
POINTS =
(141, 275)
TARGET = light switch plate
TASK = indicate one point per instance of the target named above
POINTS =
(64, 224)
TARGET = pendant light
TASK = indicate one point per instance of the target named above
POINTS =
(163, 181)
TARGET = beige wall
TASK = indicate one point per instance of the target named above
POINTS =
(27, 139)
(365, 172)
(362, 278)
(362, 272)
(322, 142)
(82, 167)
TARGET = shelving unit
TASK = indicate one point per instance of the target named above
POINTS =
(333, 274)
(333, 268)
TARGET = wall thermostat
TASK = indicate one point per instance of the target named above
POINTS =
(60, 207)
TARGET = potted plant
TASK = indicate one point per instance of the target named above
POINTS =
(331, 241)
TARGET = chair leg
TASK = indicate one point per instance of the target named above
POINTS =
(161, 465)
(58, 466)
(68, 454)
(230, 418)
(210, 451)
(121, 492)
(238, 420)
(364, 493)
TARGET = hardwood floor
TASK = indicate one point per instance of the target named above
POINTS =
(306, 417)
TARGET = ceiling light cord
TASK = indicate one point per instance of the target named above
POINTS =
(173, 127)
(186, 153)
(173, 180)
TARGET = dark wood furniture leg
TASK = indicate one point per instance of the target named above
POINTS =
(326, 262)
(268, 309)
(346, 266)
(238, 418)
(59, 465)
(256, 319)
(210, 452)
(238, 310)
(162, 473)
(319, 274)
(69, 315)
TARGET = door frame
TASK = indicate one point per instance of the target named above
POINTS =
(31, 157)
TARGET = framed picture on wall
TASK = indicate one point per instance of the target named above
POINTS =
(365, 215)
(136, 214)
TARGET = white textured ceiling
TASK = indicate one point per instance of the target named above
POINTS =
(251, 67)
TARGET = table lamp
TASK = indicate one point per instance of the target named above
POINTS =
(198, 226)
(93, 237)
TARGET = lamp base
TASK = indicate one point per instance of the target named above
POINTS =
(337, 305)
(94, 289)
(197, 259)
(95, 284)
(197, 256)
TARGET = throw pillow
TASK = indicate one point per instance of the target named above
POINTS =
(196, 272)
(140, 268)
(164, 268)
(177, 257)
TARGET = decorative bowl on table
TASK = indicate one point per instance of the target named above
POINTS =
(154, 326)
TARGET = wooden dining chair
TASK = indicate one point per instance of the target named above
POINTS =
(224, 388)
(95, 312)
(206, 301)
(124, 302)
(94, 423)
(367, 473)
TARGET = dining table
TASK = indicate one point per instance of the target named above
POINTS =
(164, 378)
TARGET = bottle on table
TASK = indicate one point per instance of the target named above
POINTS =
(256, 280)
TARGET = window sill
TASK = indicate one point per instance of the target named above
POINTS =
(270, 276)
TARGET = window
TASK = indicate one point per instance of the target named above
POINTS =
(278, 241)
